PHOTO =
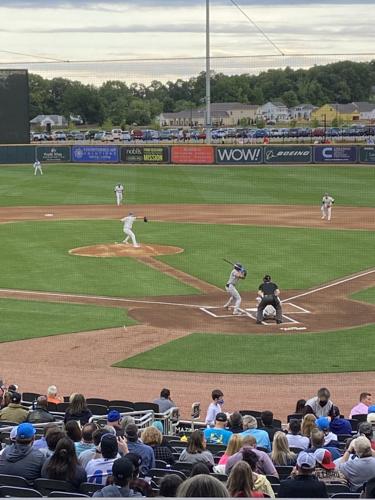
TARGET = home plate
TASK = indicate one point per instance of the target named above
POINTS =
(48, 215)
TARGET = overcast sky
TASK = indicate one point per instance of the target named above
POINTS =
(35, 33)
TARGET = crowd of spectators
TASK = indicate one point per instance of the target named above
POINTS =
(234, 455)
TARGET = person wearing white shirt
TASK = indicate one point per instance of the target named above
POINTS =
(128, 224)
(37, 167)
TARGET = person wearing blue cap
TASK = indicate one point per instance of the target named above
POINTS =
(330, 439)
(20, 458)
(113, 420)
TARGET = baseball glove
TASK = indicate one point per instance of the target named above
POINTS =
(145, 219)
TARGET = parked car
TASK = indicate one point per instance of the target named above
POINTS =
(90, 134)
(59, 135)
(108, 137)
(116, 134)
(125, 136)
(137, 134)
(98, 136)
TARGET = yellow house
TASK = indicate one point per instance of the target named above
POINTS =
(342, 112)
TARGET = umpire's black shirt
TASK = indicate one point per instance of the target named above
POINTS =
(268, 288)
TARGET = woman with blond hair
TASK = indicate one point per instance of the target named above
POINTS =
(308, 424)
(234, 445)
(281, 454)
(241, 482)
(153, 437)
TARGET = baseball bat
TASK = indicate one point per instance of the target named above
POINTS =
(228, 262)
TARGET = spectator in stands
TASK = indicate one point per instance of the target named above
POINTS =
(218, 434)
(365, 429)
(281, 454)
(339, 425)
(234, 445)
(153, 437)
(304, 483)
(73, 431)
(53, 436)
(52, 396)
(268, 424)
(202, 486)
(86, 442)
(40, 414)
(41, 442)
(362, 407)
(196, 451)
(320, 405)
(241, 482)
(362, 468)
(135, 445)
(308, 424)
(99, 469)
(330, 439)
(294, 437)
(114, 420)
(264, 463)
(300, 406)
(125, 421)
(215, 407)
(14, 412)
(261, 483)
(63, 465)
(137, 483)
(165, 402)
(169, 485)
(77, 409)
(317, 441)
(199, 468)
(250, 425)
(122, 472)
(326, 469)
(94, 453)
(12, 438)
(235, 423)
(20, 458)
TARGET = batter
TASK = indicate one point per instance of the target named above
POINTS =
(237, 273)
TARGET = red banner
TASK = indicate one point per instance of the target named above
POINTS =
(199, 155)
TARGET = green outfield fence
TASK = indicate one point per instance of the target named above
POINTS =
(190, 154)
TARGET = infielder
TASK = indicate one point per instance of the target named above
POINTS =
(128, 224)
(269, 296)
(119, 192)
(326, 207)
(237, 273)
(37, 167)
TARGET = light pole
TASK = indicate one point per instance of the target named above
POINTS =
(208, 76)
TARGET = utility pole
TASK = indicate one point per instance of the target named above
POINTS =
(208, 76)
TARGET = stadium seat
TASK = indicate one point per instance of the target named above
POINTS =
(97, 401)
(17, 492)
(47, 486)
(98, 409)
(273, 479)
(221, 477)
(360, 418)
(341, 438)
(184, 467)
(140, 405)
(121, 402)
(157, 474)
(345, 495)
(51, 406)
(30, 397)
(160, 464)
(337, 488)
(354, 424)
(18, 481)
(62, 407)
(294, 416)
(215, 448)
(121, 409)
(295, 450)
(66, 494)
(283, 471)
(253, 413)
(90, 488)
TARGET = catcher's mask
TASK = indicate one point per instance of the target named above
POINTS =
(267, 278)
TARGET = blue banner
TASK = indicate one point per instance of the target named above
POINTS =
(335, 154)
(95, 154)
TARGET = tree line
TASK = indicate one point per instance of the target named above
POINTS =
(121, 104)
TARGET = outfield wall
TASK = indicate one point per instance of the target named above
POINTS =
(190, 154)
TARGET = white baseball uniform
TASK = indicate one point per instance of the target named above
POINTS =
(38, 167)
(128, 224)
(230, 287)
(326, 208)
(119, 192)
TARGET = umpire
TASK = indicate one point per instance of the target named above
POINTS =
(269, 293)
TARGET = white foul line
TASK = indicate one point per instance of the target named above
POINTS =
(329, 286)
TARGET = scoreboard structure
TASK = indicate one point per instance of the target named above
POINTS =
(14, 106)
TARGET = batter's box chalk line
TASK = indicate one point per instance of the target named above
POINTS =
(250, 312)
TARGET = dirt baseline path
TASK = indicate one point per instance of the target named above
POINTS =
(41, 362)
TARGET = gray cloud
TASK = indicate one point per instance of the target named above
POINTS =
(99, 5)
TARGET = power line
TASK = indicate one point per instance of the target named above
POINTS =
(31, 55)
(261, 31)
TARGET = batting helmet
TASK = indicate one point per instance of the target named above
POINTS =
(267, 278)
(238, 266)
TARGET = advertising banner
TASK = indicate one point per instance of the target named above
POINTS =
(287, 154)
(367, 154)
(335, 154)
(95, 154)
(238, 155)
(198, 155)
(145, 154)
(53, 153)
(17, 154)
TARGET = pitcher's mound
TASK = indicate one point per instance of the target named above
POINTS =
(123, 250)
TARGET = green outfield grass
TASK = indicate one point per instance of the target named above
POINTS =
(367, 295)
(21, 319)
(34, 255)
(263, 354)
(93, 184)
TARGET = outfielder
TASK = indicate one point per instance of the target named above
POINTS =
(326, 207)
(237, 273)
(269, 294)
(37, 167)
(119, 192)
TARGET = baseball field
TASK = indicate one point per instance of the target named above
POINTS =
(84, 311)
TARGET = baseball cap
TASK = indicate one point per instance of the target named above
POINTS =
(113, 416)
(135, 459)
(122, 468)
(322, 423)
(371, 409)
(25, 431)
(131, 432)
(108, 445)
(221, 417)
(306, 461)
(15, 397)
(371, 418)
(324, 458)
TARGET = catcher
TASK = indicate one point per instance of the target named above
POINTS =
(238, 273)
(269, 296)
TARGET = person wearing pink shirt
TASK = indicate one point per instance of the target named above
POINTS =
(362, 407)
